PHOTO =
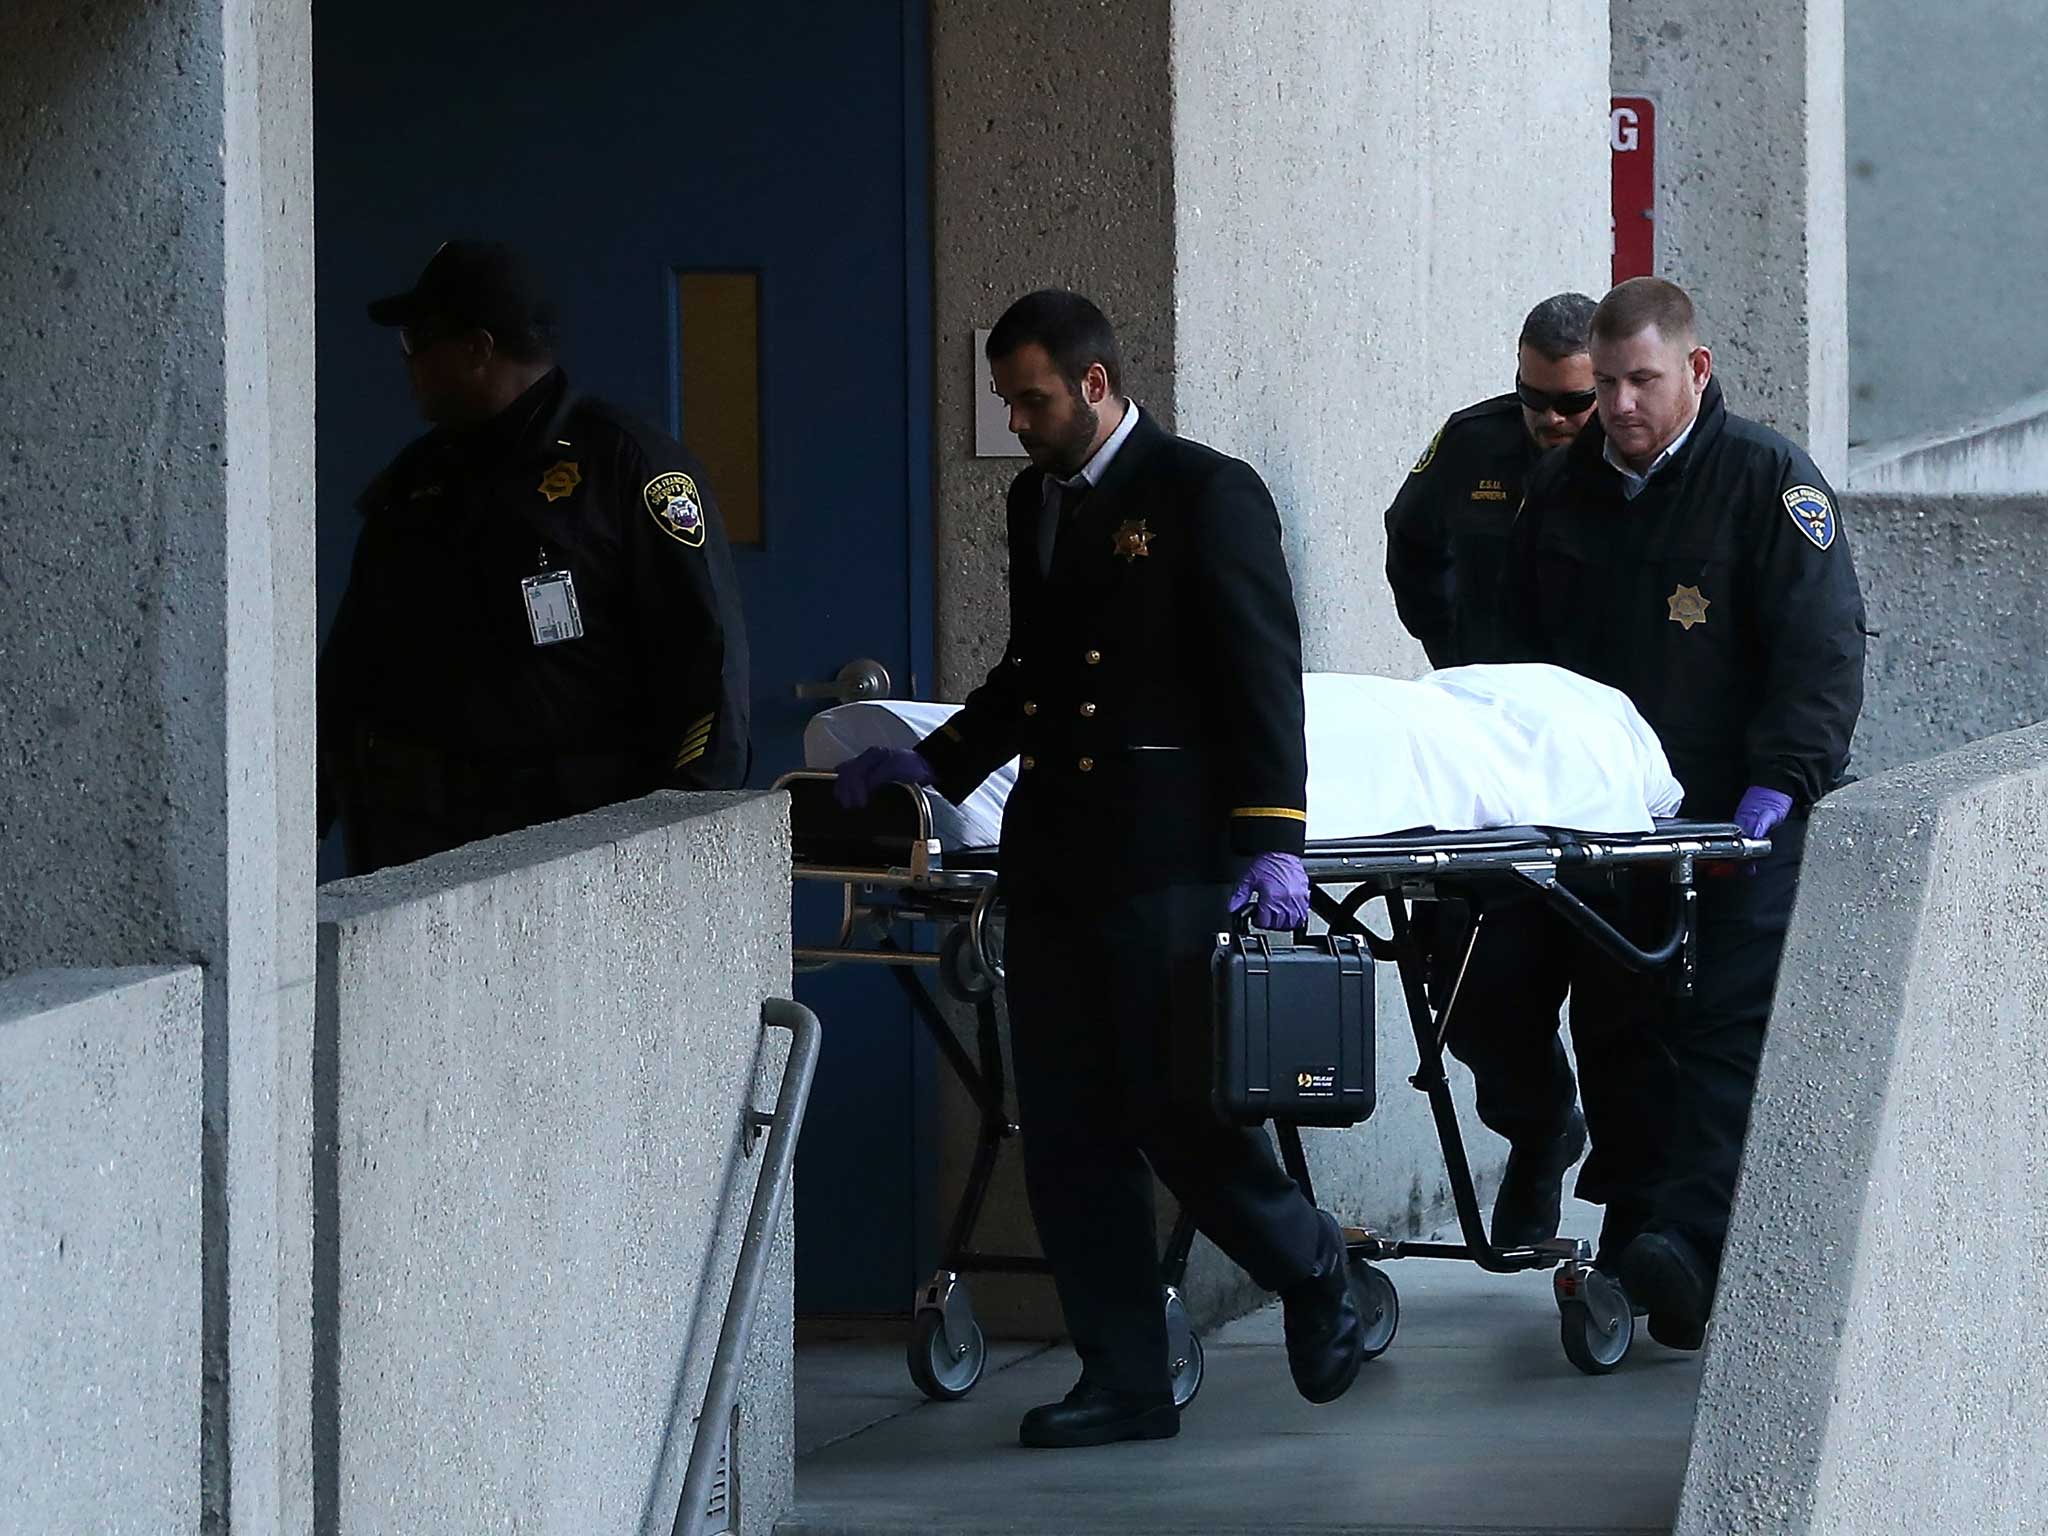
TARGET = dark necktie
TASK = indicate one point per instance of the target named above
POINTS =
(1055, 517)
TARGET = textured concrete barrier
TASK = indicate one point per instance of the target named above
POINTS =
(1877, 1362)
(99, 1251)
(1954, 592)
(533, 1062)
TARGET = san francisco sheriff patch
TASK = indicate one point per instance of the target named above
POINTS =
(676, 508)
(1812, 513)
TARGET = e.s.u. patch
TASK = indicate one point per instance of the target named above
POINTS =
(675, 506)
(1812, 513)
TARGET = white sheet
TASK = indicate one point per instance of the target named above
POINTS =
(1461, 749)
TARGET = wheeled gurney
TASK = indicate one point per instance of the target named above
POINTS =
(896, 877)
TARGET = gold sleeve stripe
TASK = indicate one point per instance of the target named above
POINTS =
(702, 733)
(948, 732)
(689, 756)
(1281, 812)
(701, 721)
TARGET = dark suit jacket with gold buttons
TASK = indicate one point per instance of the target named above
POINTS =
(1151, 687)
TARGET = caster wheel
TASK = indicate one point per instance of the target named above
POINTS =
(1183, 1350)
(1378, 1302)
(1594, 1320)
(946, 1362)
(960, 968)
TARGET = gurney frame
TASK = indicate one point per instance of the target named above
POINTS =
(894, 873)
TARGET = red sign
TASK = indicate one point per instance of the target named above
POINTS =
(1632, 135)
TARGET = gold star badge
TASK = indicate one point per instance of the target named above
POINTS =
(560, 481)
(1688, 607)
(1132, 540)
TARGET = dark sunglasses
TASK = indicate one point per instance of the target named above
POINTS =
(1568, 403)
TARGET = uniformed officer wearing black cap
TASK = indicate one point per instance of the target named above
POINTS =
(542, 616)
(1151, 690)
(1447, 539)
(1699, 563)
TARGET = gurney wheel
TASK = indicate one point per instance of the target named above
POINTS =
(960, 968)
(1183, 1350)
(945, 1367)
(1378, 1303)
(1595, 1322)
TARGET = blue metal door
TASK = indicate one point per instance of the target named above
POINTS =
(623, 143)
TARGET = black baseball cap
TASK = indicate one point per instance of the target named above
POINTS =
(473, 283)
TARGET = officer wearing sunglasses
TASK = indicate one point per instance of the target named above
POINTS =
(1447, 530)
(1447, 537)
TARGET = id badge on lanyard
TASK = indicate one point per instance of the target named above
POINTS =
(551, 610)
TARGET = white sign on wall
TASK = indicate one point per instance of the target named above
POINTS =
(993, 438)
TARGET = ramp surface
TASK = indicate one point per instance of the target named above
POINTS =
(1472, 1422)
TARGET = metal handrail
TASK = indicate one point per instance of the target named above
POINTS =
(763, 1216)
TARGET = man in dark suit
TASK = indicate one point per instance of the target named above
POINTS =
(1151, 691)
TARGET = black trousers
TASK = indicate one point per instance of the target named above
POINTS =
(1095, 989)
(1505, 1025)
(1666, 1082)
(1713, 1042)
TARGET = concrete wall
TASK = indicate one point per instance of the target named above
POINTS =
(1317, 232)
(156, 634)
(2004, 454)
(533, 1060)
(1876, 1363)
(1751, 197)
(1953, 588)
(1052, 166)
(1361, 222)
(99, 1251)
(1947, 130)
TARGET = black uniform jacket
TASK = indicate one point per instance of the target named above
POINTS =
(1722, 600)
(437, 707)
(1447, 532)
(1151, 684)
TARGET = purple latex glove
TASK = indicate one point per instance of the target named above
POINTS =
(1280, 885)
(1761, 809)
(859, 779)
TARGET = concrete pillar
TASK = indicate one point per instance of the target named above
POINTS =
(1317, 227)
(1751, 197)
(156, 677)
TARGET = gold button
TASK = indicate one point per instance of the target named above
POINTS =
(1016, 661)
(1087, 765)
(1030, 708)
(1093, 658)
(1087, 711)
(1027, 763)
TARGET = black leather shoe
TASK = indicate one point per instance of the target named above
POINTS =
(1325, 1331)
(1664, 1273)
(1092, 1415)
(1531, 1199)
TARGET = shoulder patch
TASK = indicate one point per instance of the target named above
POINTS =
(1812, 514)
(1428, 454)
(673, 503)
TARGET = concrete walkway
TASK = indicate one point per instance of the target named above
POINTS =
(1472, 1422)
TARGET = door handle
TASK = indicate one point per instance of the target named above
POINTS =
(857, 680)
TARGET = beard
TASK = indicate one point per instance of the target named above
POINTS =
(1064, 454)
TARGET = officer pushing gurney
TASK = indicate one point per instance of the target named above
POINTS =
(1697, 562)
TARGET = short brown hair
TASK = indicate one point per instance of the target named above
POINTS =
(1640, 303)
